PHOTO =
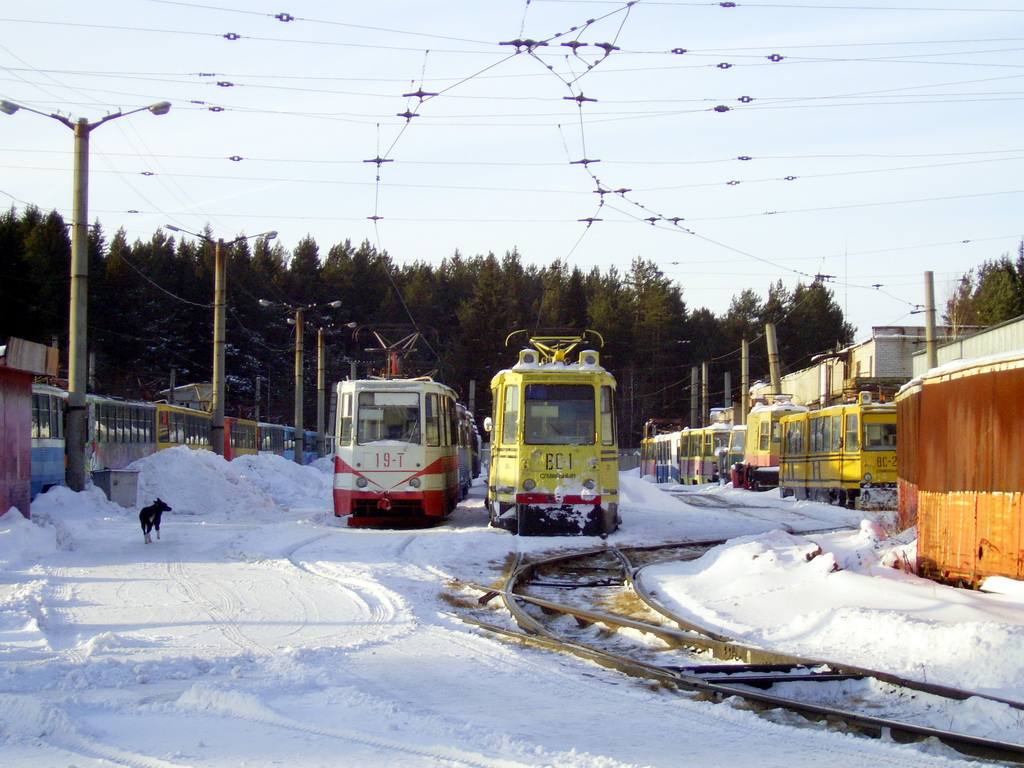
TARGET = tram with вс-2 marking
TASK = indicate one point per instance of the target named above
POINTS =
(844, 454)
(554, 450)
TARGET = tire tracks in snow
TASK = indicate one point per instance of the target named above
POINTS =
(250, 709)
(224, 617)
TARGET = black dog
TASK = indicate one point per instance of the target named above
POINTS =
(150, 518)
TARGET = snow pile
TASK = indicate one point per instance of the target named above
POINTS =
(23, 542)
(839, 597)
(198, 482)
(291, 485)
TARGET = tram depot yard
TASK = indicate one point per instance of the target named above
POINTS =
(262, 631)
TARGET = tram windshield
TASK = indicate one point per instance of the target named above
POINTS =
(559, 414)
(388, 416)
(879, 436)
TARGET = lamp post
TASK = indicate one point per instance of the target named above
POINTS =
(219, 313)
(77, 430)
(297, 321)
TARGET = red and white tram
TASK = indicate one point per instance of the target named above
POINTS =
(396, 462)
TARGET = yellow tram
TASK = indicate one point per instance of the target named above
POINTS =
(844, 454)
(554, 450)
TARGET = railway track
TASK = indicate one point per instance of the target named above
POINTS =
(592, 604)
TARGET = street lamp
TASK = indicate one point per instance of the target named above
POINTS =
(219, 313)
(297, 321)
(77, 431)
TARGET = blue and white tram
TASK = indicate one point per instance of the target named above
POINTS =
(469, 449)
(49, 405)
(119, 432)
(396, 462)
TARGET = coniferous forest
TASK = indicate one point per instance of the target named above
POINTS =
(151, 310)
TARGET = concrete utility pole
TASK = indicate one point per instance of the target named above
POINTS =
(298, 322)
(220, 303)
(704, 402)
(300, 432)
(744, 381)
(321, 392)
(773, 358)
(931, 348)
(219, 346)
(694, 397)
(78, 429)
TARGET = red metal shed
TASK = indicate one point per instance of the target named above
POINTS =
(962, 468)
(20, 360)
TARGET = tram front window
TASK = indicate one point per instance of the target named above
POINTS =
(559, 414)
(879, 436)
(389, 416)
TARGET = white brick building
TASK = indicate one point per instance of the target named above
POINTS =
(880, 366)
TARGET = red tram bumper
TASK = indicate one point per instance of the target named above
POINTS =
(397, 509)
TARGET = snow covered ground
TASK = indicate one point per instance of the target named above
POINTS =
(260, 631)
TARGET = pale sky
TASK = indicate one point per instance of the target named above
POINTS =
(733, 146)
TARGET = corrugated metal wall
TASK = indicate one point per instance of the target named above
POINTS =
(969, 453)
(971, 432)
(996, 340)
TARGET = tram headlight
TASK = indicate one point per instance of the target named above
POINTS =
(362, 482)
(589, 484)
(414, 482)
(529, 485)
(867, 477)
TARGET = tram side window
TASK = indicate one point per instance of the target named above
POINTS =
(852, 433)
(795, 438)
(41, 416)
(432, 419)
(510, 419)
(345, 428)
(452, 419)
(721, 441)
(607, 416)
(738, 441)
(837, 433)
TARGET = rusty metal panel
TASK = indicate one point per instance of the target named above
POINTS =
(945, 535)
(969, 450)
(971, 535)
(970, 430)
(908, 417)
(999, 545)
(932, 439)
(1008, 430)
